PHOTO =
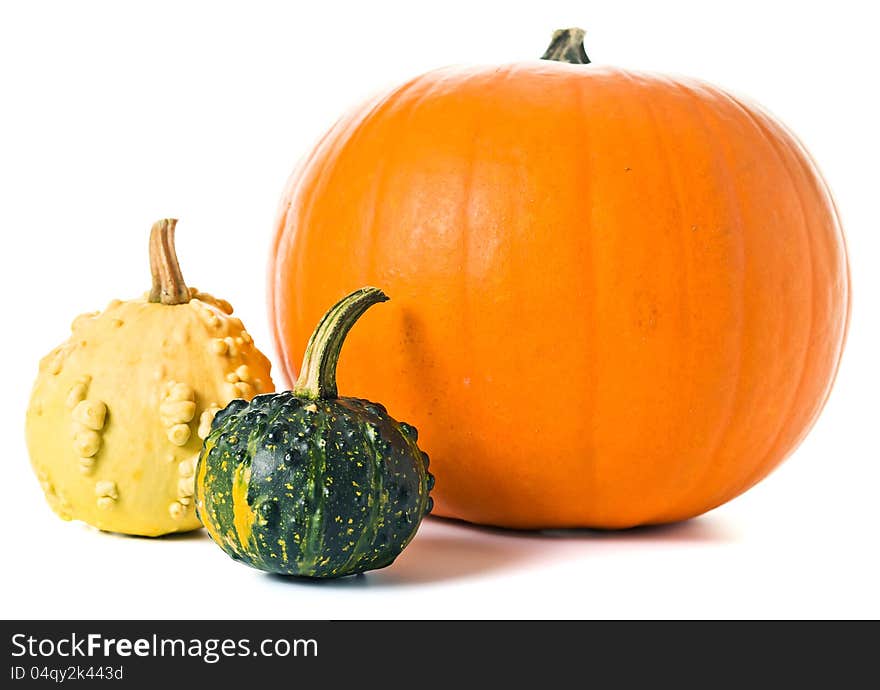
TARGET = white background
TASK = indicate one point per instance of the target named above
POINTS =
(113, 115)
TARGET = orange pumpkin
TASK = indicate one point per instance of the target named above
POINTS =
(619, 298)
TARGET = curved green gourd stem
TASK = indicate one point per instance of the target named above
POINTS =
(317, 377)
(567, 45)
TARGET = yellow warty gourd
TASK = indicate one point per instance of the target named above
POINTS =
(119, 411)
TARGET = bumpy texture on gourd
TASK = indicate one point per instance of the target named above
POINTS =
(119, 411)
(307, 483)
(317, 488)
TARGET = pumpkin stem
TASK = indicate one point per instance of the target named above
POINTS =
(168, 286)
(567, 45)
(317, 377)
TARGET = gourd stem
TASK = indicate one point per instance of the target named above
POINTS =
(317, 377)
(168, 286)
(567, 45)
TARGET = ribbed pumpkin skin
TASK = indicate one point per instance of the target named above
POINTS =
(621, 298)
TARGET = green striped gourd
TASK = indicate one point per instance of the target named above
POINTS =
(308, 483)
